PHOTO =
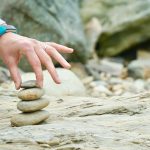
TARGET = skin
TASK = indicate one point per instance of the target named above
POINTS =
(13, 46)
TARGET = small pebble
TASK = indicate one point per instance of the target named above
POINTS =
(29, 84)
(88, 80)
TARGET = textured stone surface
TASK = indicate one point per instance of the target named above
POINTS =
(33, 118)
(31, 106)
(70, 85)
(83, 123)
(122, 23)
(29, 84)
(30, 94)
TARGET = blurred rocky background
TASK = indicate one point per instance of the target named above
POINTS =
(110, 38)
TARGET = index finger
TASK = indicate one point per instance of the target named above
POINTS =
(60, 48)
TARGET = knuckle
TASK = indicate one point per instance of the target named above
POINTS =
(8, 63)
(47, 61)
(34, 41)
(39, 75)
(51, 49)
(37, 65)
(52, 43)
(26, 45)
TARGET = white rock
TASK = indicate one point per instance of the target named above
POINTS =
(70, 83)
(97, 83)
(138, 86)
(115, 80)
(102, 89)
(88, 80)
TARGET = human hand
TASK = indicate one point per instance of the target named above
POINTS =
(13, 46)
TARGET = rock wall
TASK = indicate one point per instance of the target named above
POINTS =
(123, 23)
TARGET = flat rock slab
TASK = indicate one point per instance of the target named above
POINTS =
(83, 123)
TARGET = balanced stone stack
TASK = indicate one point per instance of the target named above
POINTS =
(31, 105)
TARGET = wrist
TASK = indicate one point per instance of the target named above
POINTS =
(6, 28)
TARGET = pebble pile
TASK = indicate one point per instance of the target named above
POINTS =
(31, 105)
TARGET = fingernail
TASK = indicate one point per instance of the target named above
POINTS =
(16, 86)
(72, 49)
(68, 66)
(58, 81)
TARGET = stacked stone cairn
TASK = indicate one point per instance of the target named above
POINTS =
(31, 105)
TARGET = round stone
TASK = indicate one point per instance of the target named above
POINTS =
(31, 106)
(33, 118)
(29, 84)
(31, 94)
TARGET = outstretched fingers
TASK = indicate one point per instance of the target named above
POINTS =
(47, 62)
(60, 48)
(52, 52)
(14, 72)
(36, 65)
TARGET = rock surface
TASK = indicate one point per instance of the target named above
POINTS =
(33, 118)
(30, 94)
(119, 30)
(70, 85)
(31, 106)
(83, 123)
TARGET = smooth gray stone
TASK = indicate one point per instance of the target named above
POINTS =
(33, 118)
(29, 84)
(31, 94)
(31, 106)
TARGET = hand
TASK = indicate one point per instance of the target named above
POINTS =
(13, 46)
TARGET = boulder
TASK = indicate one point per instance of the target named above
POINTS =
(48, 20)
(139, 68)
(123, 24)
(70, 83)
